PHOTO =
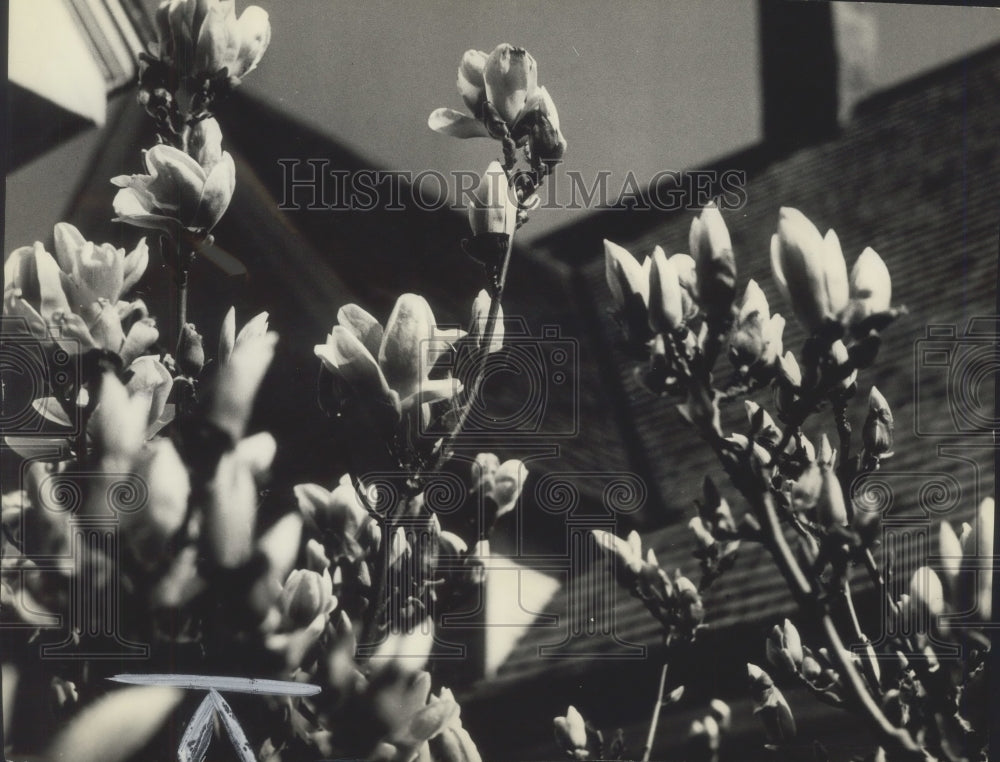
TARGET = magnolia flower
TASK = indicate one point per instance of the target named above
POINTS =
(755, 343)
(511, 77)
(493, 207)
(305, 596)
(502, 92)
(712, 251)
(625, 276)
(201, 38)
(500, 482)
(118, 423)
(406, 350)
(151, 382)
(178, 191)
(629, 284)
(480, 316)
(770, 706)
(877, 431)
(96, 271)
(73, 304)
(870, 288)
(809, 270)
(337, 515)
(233, 499)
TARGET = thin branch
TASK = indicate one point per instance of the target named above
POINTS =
(651, 735)
(496, 297)
(895, 740)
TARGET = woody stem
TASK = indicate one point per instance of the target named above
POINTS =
(498, 281)
(181, 277)
(651, 735)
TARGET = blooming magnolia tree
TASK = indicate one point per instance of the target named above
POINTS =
(681, 312)
(344, 590)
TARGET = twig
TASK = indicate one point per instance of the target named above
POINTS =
(499, 280)
(852, 617)
(895, 740)
(182, 276)
(648, 748)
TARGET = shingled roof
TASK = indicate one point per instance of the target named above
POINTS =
(916, 176)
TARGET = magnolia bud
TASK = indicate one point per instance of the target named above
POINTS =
(702, 535)
(787, 383)
(926, 590)
(712, 251)
(877, 430)
(756, 338)
(571, 732)
(770, 706)
(870, 287)
(687, 277)
(831, 510)
(508, 483)
(776, 654)
(190, 351)
(792, 641)
(806, 489)
(227, 336)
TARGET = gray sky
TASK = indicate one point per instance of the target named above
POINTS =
(640, 86)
